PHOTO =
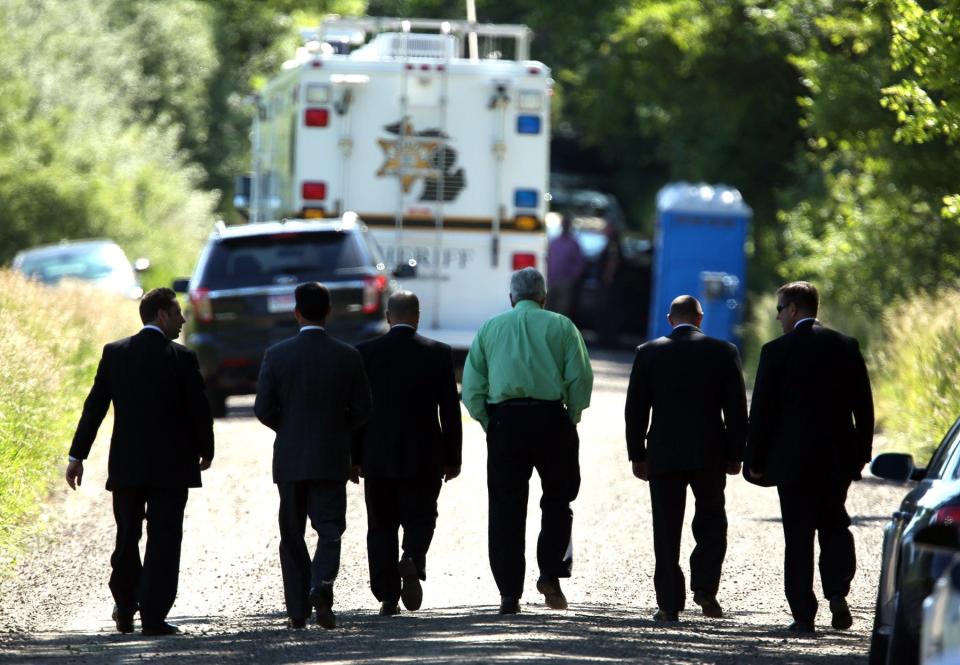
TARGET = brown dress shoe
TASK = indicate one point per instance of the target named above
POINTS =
(296, 624)
(665, 617)
(161, 629)
(321, 597)
(708, 603)
(842, 619)
(552, 593)
(389, 609)
(411, 593)
(509, 605)
(123, 619)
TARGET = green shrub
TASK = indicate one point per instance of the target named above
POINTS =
(915, 386)
(52, 339)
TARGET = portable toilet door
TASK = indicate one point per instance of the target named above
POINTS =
(699, 250)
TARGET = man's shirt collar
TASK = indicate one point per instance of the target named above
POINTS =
(527, 303)
(150, 326)
(804, 320)
(305, 328)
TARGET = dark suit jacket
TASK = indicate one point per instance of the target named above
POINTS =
(694, 386)
(161, 423)
(313, 392)
(413, 383)
(812, 410)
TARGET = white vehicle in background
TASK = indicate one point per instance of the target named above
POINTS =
(443, 154)
(99, 262)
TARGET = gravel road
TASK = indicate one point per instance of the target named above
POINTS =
(56, 605)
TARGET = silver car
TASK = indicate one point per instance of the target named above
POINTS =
(100, 262)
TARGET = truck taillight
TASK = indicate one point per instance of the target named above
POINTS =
(523, 260)
(315, 191)
(373, 288)
(202, 305)
(316, 117)
(947, 515)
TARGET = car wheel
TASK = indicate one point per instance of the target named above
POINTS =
(904, 646)
(218, 403)
(879, 643)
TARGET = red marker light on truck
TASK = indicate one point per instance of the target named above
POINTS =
(314, 191)
(202, 306)
(316, 117)
(373, 288)
(523, 260)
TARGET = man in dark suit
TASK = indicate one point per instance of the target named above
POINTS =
(694, 386)
(312, 391)
(410, 444)
(811, 432)
(162, 439)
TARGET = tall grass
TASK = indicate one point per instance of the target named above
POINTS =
(917, 385)
(50, 342)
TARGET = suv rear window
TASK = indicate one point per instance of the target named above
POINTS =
(256, 260)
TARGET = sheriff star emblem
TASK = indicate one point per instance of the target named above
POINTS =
(407, 157)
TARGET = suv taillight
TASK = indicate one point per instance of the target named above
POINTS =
(373, 288)
(947, 515)
(202, 306)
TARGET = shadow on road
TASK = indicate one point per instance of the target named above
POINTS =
(586, 634)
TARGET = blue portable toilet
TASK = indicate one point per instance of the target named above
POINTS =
(699, 250)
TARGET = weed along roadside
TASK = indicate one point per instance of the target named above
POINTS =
(51, 342)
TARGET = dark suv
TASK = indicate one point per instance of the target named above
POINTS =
(241, 294)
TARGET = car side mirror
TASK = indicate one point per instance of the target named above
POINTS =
(181, 285)
(939, 538)
(893, 466)
(405, 271)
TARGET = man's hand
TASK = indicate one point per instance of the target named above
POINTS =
(640, 470)
(754, 474)
(205, 463)
(74, 474)
(450, 472)
(733, 468)
(355, 472)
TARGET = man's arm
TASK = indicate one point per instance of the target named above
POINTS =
(734, 407)
(199, 408)
(94, 409)
(448, 403)
(475, 384)
(862, 404)
(267, 406)
(637, 411)
(577, 373)
(762, 409)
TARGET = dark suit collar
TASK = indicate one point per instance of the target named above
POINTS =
(152, 334)
(684, 330)
(402, 330)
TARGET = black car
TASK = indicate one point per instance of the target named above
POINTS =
(241, 294)
(908, 572)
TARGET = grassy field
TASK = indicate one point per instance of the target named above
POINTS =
(51, 345)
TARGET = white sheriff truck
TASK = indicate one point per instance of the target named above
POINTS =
(443, 154)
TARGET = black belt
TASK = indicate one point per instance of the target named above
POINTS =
(527, 401)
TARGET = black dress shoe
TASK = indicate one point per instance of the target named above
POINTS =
(389, 609)
(509, 605)
(296, 624)
(321, 597)
(552, 593)
(842, 619)
(708, 603)
(801, 628)
(123, 619)
(160, 629)
(665, 617)
(411, 593)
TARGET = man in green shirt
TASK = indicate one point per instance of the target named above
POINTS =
(527, 379)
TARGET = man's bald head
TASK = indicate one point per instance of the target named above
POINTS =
(685, 309)
(403, 307)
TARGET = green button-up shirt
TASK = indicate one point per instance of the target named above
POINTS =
(528, 352)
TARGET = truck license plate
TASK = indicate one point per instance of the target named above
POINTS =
(281, 303)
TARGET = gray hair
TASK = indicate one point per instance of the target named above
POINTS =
(403, 303)
(527, 284)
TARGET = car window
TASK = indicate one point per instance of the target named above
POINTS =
(945, 462)
(91, 262)
(256, 260)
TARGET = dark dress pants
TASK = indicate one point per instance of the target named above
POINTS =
(325, 503)
(808, 508)
(392, 503)
(151, 585)
(521, 438)
(668, 497)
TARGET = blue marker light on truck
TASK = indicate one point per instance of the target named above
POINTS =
(528, 124)
(525, 198)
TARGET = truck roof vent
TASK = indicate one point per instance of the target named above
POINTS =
(414, 46)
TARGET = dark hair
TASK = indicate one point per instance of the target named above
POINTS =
(404, 304)
(154, 300)
(802, 294)
(685, 308)
(313, 301)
